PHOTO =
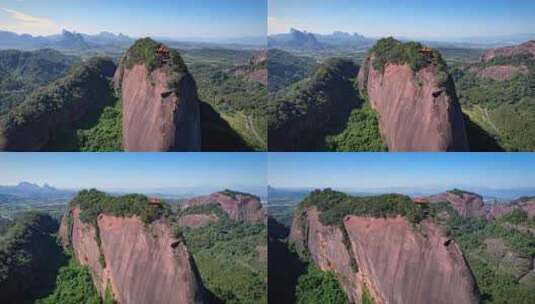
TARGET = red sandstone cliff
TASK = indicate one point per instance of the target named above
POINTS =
(527, 204)
(238, 206)
(467, 204)
(416, 112)
(138, 263)
(527, 48)
(398, 263)
(159, 114)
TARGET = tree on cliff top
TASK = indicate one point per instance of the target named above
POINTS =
(391, 51)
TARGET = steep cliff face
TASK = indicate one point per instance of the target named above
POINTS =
(60, 105)
(396, 262)
(417, 106)
(238, 206)
(136, 262)
(326, 246)
(527, 48)
(159, 96)
(467, 204)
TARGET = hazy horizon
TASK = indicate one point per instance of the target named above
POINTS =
(141, 172)
(368, 171)
(415, 19)
(206, 19)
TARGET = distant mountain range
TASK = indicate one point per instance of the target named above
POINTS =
(73, 41)
(66, 40)
(25, 190)
(305, 41)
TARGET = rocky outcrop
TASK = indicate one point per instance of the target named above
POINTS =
(138, 263)
(527, 204)
(239, 206)
(527, 48)
(256, 70)
(326, 246)
(159, 97)
(467, 204)
(195, 221)
(418, 110)
(396, 262)
(500, 72)
(58, 107)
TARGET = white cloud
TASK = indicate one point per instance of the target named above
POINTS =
(277, 26)
(20, 22)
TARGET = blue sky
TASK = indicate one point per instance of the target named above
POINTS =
(167, 18)
(411, 18)
(380, 170)
(135, 170)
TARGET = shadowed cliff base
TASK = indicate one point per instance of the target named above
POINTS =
(217, 134)
(480, 140)
(284, 266)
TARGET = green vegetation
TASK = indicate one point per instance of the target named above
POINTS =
(460, 192)
(145, 51)
(226, 83)
(361, 134)
(59, 109)
(504, 109)
(318, 287)
(334, 206)
(496, 284)
(301, 116)
(93, 202)
(29, 258)
(366, 297)
(285, 69)
(391, 51)
(233, 194)
(519, 217)
(73, 286)
(106, 135)
(21, 73)
(229, 257)
(213, 208)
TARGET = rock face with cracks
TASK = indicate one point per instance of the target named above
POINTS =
(417, 110)
(138, 263)
(395, 261)
(159, 98)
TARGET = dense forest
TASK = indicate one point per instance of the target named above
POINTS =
(504, 109)
(323, 112)
(35, 269)
(66, 113)
(233, 100)
(231, 256)
(286, 68)
(21, 73)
